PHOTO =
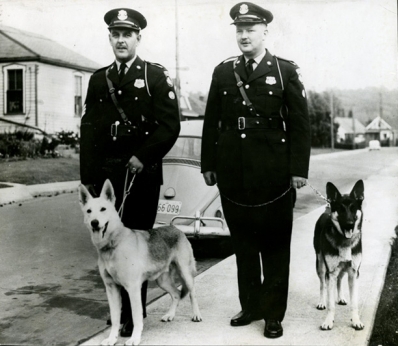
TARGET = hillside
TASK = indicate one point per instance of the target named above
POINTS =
(365, 104)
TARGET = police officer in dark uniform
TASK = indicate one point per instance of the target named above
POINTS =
(256, 147)
(130, 122)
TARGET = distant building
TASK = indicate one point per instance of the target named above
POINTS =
(379, 129)
(349, 129)
(43, 84)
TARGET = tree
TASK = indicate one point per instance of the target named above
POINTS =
(319, 114)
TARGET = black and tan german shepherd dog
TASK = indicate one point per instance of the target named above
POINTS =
(338, 247)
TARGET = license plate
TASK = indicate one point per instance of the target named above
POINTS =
(169, 207)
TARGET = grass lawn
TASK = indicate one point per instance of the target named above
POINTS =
(39, 171)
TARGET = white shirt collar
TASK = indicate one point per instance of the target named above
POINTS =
(128, 63)
(257, 60)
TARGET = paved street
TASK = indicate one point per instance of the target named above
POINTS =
(50, 290)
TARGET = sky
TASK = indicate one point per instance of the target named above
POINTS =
(344, 44)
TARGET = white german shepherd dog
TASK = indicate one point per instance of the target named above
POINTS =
(129, 257)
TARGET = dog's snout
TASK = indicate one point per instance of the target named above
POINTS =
(95, 224)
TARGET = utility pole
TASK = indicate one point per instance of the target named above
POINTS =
(353, 128)
(331, 121)
(178, 84)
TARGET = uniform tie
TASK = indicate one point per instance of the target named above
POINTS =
(249, 67)
(122, 71)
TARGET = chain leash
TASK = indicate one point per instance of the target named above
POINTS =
(318, 193)
(275, 199)
(257, 205)
(126, 192)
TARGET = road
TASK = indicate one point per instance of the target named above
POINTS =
(51, 292)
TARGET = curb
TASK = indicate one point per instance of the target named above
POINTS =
(20, 193)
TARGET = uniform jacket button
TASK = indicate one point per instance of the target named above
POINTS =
(243, 135)
(119, 92)
(270, 92)
(247, 86)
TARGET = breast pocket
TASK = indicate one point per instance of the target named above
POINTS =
(269, 99)
(230, 99)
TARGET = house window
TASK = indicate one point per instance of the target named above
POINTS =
(78, 96)
(14, 93)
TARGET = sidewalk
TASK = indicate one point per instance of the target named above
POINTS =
(218, 296)
(18, 192)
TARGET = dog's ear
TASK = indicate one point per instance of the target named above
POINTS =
(107, 192)
(357, 191)
(332, 192)
(84, 195)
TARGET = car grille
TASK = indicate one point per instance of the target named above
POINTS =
(182, 162)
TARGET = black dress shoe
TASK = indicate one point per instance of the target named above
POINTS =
(273, 329)
(243, 318)
(127, 329)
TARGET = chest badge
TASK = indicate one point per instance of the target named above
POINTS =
(139, 83)
(270, 80)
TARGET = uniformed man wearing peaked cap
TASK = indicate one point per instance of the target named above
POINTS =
(256, 148)
(130, 121)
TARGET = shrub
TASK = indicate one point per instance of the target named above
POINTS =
(18, 144)
(68, 138)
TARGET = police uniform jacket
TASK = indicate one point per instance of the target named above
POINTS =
(259, 161)
(147, 97)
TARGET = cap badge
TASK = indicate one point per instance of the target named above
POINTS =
(243, 9)
(271, 80)
(122, 15)
(139, 83)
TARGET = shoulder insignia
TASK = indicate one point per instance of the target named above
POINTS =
(289, 61)
(102, 69)
(156, 64)
(228, 60)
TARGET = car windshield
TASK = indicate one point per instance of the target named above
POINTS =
(186, 147)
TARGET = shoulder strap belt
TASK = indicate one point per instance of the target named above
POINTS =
(243, 93)
(114, 99)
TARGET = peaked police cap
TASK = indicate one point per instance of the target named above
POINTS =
(125, 18)
(249, 13)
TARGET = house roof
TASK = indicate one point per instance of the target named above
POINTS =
(19, 45)
(378, 124)
(347, 125)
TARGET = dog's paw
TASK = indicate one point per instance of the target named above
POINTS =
(134, 340)
(167, 318)
(357, 324)
(109, 341)
(342, 301)
(327, 324)
(321, 306)
(197, 318)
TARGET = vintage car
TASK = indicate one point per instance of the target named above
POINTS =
(374, 145)
(185, 200)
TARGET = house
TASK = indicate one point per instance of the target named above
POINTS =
(379, 129)
(43, 84)
(348, 129)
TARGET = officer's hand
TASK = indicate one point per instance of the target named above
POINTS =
(210, 178)
(135, 165)
(298, 182)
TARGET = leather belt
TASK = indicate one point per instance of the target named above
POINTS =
(243, 123)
